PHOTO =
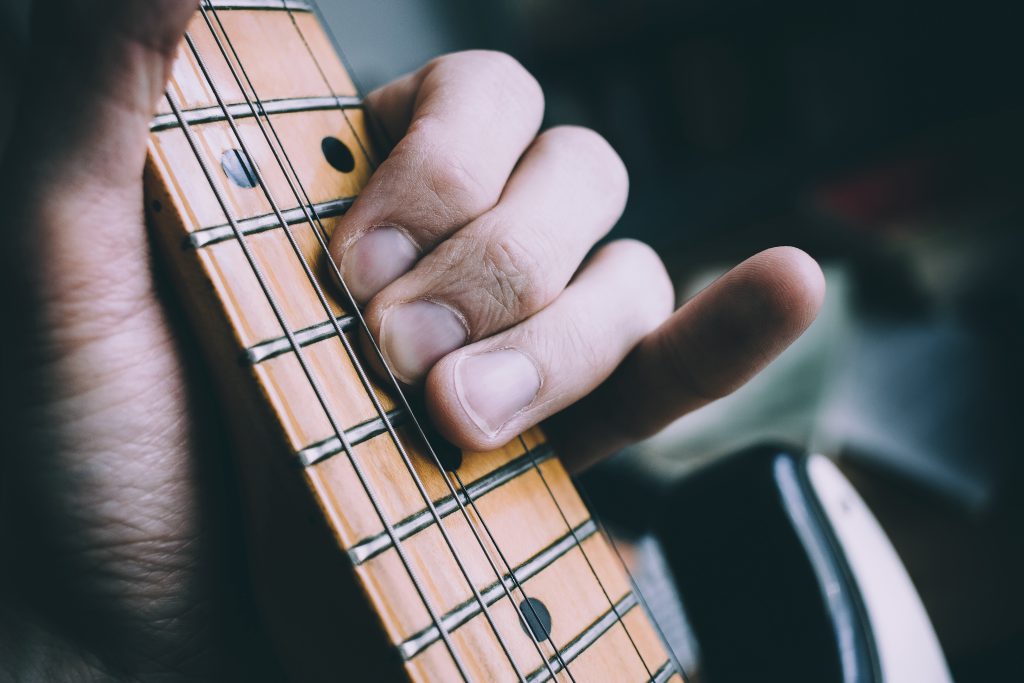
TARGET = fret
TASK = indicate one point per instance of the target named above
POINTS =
(290, 5)
(375, 545)
(248, 309)
(243, 110)
(306, 336)
(291, 70)
(469, 609)
(294, 401)
(347, 505)
(359, 434)
(666, 673)
(252, 226)
(601, 648)
(584, 640)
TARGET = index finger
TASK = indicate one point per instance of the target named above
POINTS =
(464, 121)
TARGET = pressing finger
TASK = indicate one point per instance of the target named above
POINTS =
(567, 193)
(465, 120)
(483, 395)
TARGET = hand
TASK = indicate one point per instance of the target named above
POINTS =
(119, 561)
(469, 248)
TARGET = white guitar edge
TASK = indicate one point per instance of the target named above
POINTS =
(908, 648)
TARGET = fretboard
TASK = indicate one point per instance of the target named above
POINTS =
(498, 573)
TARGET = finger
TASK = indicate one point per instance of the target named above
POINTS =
(483, 395)
(709, 348)
(98, 70)
(466, 119)
(567, 192)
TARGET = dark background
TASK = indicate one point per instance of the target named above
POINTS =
(885, 139)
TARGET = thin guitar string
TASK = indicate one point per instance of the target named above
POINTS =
(586, 558)
(533, 461)
(297, 348)
(352, 356)
(410, 412)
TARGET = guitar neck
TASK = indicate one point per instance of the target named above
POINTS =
(492, 572)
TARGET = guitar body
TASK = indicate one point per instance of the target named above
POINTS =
(376, 555)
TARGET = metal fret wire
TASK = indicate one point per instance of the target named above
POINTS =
(314, 384)
(323, 301)
(397, 385)
(387, 369)
(611, 603)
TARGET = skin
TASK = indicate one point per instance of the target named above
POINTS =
(116, 517)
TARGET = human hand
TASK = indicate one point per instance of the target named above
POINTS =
(470, 248)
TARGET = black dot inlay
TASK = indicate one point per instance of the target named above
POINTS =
(236, 167)
(338, 155)
(535, 619)
(156, 206)
(449, 454)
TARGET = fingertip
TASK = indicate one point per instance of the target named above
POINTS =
(797, 282)
(446, 411)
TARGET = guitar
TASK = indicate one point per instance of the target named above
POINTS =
(394, 556)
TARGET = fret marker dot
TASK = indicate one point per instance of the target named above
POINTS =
(338, 155)
(448, 453)
(535, 619)
(237, 168)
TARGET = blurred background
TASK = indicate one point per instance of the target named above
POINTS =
(882, 137)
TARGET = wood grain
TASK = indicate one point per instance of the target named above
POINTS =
(524, 498)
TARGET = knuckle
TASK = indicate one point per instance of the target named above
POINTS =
(646, 275)
(515, 279)
(444, 172)
(501, 71)
(587, 149)
(506, 69)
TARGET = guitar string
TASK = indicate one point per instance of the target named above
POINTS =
(297, 348)
(586, 558)
(397, 386)
(256, 108)
(636, 588)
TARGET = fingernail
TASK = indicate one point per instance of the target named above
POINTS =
(494, 386)
(416, 335)
(377, 259)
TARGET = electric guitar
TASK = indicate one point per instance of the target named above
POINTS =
(380, 553)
